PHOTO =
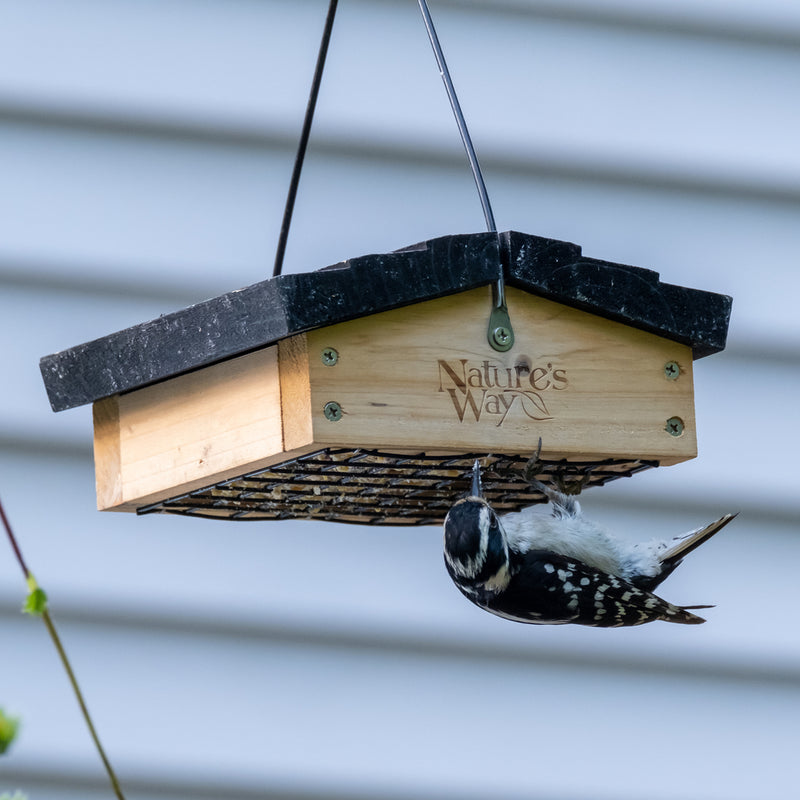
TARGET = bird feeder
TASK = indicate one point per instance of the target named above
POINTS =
(364, 391)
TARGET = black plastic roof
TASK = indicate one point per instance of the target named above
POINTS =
(261, 314)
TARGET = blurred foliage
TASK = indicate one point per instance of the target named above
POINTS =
(8, 731)
(36, 601)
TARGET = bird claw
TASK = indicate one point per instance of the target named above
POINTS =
(573, 487)
(558, 479)
(532, 467)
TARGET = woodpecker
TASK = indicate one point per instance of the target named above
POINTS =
(552, 566)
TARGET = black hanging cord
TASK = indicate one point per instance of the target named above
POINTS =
(304, 135)
(460, 121)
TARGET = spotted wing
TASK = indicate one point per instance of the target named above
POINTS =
(550, 589)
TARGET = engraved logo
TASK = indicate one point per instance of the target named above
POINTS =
(490, 392)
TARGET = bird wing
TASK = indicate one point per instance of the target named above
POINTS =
(548, 588)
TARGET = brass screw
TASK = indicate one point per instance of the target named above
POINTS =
(502, 338)
(672, 370)
(329, 356)
(332, 411)
(674, 426)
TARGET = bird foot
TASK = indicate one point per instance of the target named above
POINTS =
(558, 479)
(575, 486)
(532, 467)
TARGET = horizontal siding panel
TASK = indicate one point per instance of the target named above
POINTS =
(691, 105)
(127, 207)
(69, 783)
(129, 54)
(774, 23)
(263, 711)
(193, 219)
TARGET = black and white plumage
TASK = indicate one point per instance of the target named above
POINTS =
(552, 565)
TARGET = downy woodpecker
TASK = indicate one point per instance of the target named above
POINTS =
(552, 566)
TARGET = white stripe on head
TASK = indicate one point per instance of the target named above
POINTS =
(470, 567)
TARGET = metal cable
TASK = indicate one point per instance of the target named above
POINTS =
(460, 121)
(500, 333)
(304, 136)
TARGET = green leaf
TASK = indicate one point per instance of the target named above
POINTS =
(36, 601)
(16, 796)
(8, 730)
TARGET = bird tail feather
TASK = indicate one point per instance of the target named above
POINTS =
(685, 544)
(683, 615)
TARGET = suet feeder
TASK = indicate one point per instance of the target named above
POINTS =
(364, 391)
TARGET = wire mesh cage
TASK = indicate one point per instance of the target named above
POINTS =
(376, 488)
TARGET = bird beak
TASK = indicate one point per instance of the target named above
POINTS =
(477, 489)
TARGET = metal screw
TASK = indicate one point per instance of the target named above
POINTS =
(329, 356)
(674, 426)
(501, 336)
(672, 370)
(333, 411)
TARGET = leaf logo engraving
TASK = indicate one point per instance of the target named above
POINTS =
(533, 404)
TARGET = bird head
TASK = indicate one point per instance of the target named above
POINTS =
(474, 541)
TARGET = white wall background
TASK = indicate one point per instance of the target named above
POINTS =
(145, 151)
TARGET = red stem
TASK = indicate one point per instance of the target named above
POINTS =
(14, 545)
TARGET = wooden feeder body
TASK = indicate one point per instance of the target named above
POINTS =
(416, 393)
(417, 378)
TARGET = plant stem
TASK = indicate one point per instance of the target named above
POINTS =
(56, 639)
(51, 629)
(14, 546)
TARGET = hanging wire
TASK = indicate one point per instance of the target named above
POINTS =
(499, 287)
(304, 135)
(500, 333)
(460, 121)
